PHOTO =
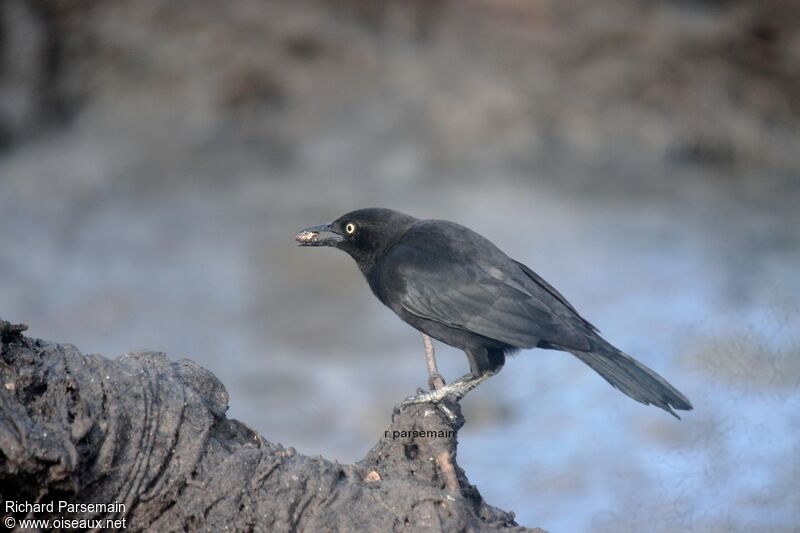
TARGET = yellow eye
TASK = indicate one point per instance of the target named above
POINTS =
(350, 228)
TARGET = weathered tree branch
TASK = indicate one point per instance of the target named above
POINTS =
(152, 434)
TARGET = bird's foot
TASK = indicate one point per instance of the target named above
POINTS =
(453, 392)
(438, 398)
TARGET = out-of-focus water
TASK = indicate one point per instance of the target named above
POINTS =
(209, 270)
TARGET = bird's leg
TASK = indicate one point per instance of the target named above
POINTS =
(435, 379)
(455, 390)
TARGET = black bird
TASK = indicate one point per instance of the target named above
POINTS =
(454, 285)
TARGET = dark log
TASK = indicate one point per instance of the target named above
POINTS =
(151, 434)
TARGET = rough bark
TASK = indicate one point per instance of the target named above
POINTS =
(152, 434)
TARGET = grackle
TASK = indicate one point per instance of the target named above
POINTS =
(456, 286)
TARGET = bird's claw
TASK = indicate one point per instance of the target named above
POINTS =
(453, 392)
(423, 396)
(439, 400)
(443, 407)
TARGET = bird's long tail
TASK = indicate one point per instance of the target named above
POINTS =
(633, 378)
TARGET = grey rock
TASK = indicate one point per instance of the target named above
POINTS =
(152, 434)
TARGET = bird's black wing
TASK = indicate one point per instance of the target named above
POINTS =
(536, 278)
(452, 275)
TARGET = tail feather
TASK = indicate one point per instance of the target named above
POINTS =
(633, 378)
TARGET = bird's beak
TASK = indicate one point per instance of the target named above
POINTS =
(310, 236)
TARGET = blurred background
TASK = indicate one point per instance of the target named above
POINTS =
(157, 158)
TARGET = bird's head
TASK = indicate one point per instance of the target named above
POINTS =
(364, 234)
